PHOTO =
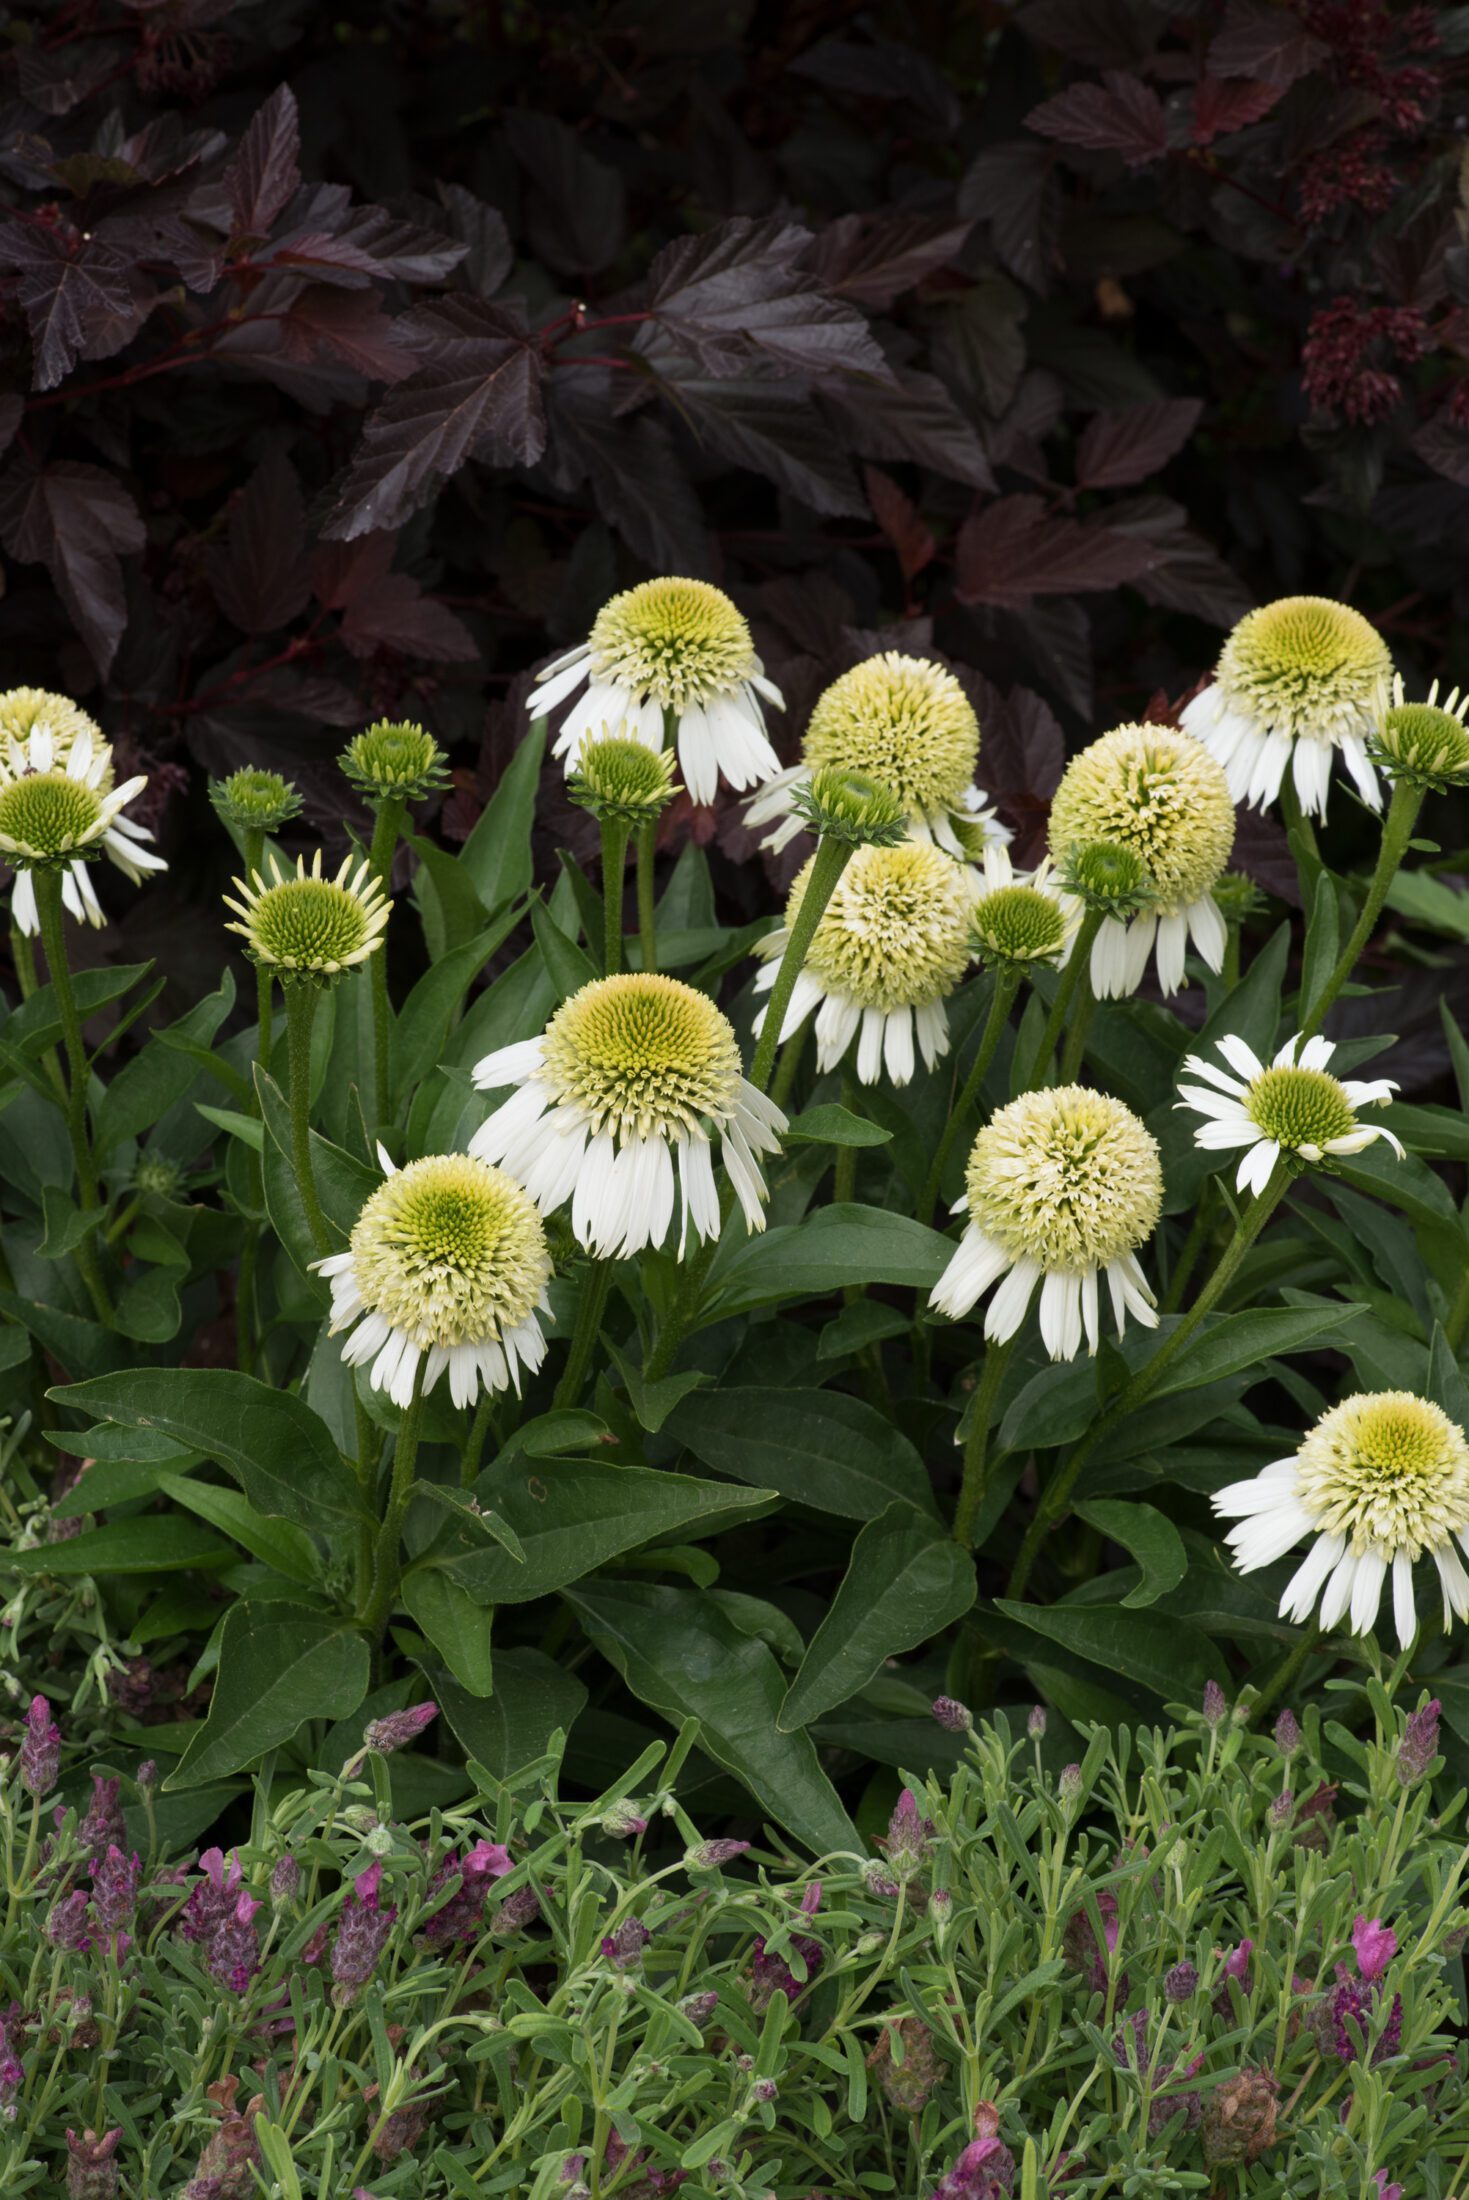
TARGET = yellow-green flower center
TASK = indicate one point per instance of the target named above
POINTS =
(1425, 739)
(1068, 1178)
(895, 933)
(903, 722)
(309, 924)
(1388, 1470)
(47, 816)
(450, 1251)
(1300, 1107)
(1156, 793)
(1306, 666)
(679, 640)
(642, 1054)
(1019, 924)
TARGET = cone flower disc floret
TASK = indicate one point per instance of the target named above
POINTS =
(1295, 1106)
(1021, 919)
(307, 929)
(60, 808)
(675, 646)
(892, 942)
(1159, 795)
(1382, 1479)
(1062, 1187)
(1298, 682)
(905, 724)
(447, 1269)
(618, 1104)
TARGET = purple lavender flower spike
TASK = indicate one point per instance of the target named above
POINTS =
(40, 1752)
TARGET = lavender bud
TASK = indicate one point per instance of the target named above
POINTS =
(765, 2089)
(1287, 1733)
(953, 1716)
(1281, 1810)
(1035, 1725)
(40, 1752)
(233, 1955)
(66, 1927)
(1216, 1706)
(710, 1855)
(103, 1827)
(362, 1933)
(398, 1728)
(284, 1880)
(1068, 1787)
(12, 2075)
(516, 1912)
(1419, 1745)
(146, 1775)
(623, 1946)
(1181, 1983)
(623, 1822)
(91, 2172)
(909, 1836)
(698, 2008)
(115, 1889)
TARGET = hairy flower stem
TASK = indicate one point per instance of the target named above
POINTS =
(388, 1561)
(300, 1016)
(474, 1447)
(23, 955)
(1458, 1317)
(1007, 985)
(827, 866)
(1301, 834)
(590, 1309)
(787, 1068)
(1397, 832)
(615, 836)
(385, 831)
(247, 1311)
(77, 1078)
(1077, 963)
(254, 857)
(1057, 1493)
(977, 1444)
(647, 921)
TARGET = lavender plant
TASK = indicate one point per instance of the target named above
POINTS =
(1205, 1958)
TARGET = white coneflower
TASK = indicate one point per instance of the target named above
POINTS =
(1021, 918)
(633, 1074)
(893, 941)
(448, 1267)
(1159, 795)
(60, 808)
(1425, 743)
(1295, 1106)
(306, 929)
(1380, 1480)
(907, 725)
(1297, 681)
(26, 710)
(1062, 1187)
(668, 645)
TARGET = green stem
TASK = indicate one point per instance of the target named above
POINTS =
(474, 1449)
(1007, 985)
(1188, 1254)
(1289, 1669)
(827, 866)
(844, 1174)
(77, 1078)
(300, 1015)
(647, 922)
(1077, 963)
(369, 1453)
(1302, 836)
(1458, 1320)
(977, 1444)
(23, 955)
(1397, 832)
(388, 1564)
(1076, 1032)
(385, 831)
(1058, 1491)
(584, 1336)
(615, 836)
(789, 1064)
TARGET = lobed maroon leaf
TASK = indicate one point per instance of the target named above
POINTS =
(258, 573)
(901, 521)
(261, 180)
(1223, 104)
(758, 424)
(640, 488)
(575, 212)
(873, 260)
(918, 421)
(1119, 448)
(352, 245)
(1261, 40)
(1013, 188)
(1012, 551)
(81, 298)
(75, 520)
(382, 609)
(489, 254)
(1444, 446)
(738, 293)
(1119, 115)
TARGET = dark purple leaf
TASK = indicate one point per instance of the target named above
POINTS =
(1099, 34)
(575, 212)
(336, 241)
(640, 488)
(57, 78)
(258, 573)
(1445, 447)
(881, 68)
(1119, 448)
(1224, 104)
(738, 292)
(80, 297)
(1119, 115)
(1016, 439)
(758, 425)
(1260, 39)
(350, 326)
(261, 180)
(76, 521)
(977, 344)
(489, 254)
(481, 398)
(12, 412)
(900, 520)
(1190, 575)
(1012, 551)
(918, 421)
(1013, 187)
(873, 261)
(382, 609)
(1022, 754)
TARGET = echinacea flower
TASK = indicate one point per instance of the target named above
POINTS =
(1379, 1480)
(1161, 797)
(1021, 919)
(394, 760)
(675, 647)
(1295, 1106)
(1298, 682)
(907, 725)
(633, 1074)
(447, 1268)
(618, 777)
(1426, 744)
(255, 801)
(306, 929)
(26, 710)
(1062, 1187)
(59, 809)
(892, 942)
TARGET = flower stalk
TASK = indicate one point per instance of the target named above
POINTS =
(977, 1444)
(1397, 833)
(388, 1559)
(77, 1078)
(1007, 985)
(384, 846)
(1078, 963)
(828, 864)
(300, 1017)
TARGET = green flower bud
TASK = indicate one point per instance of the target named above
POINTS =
(255, 801)
(847, 805)
(620, 778)
(1108, 878)
(394, 760)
